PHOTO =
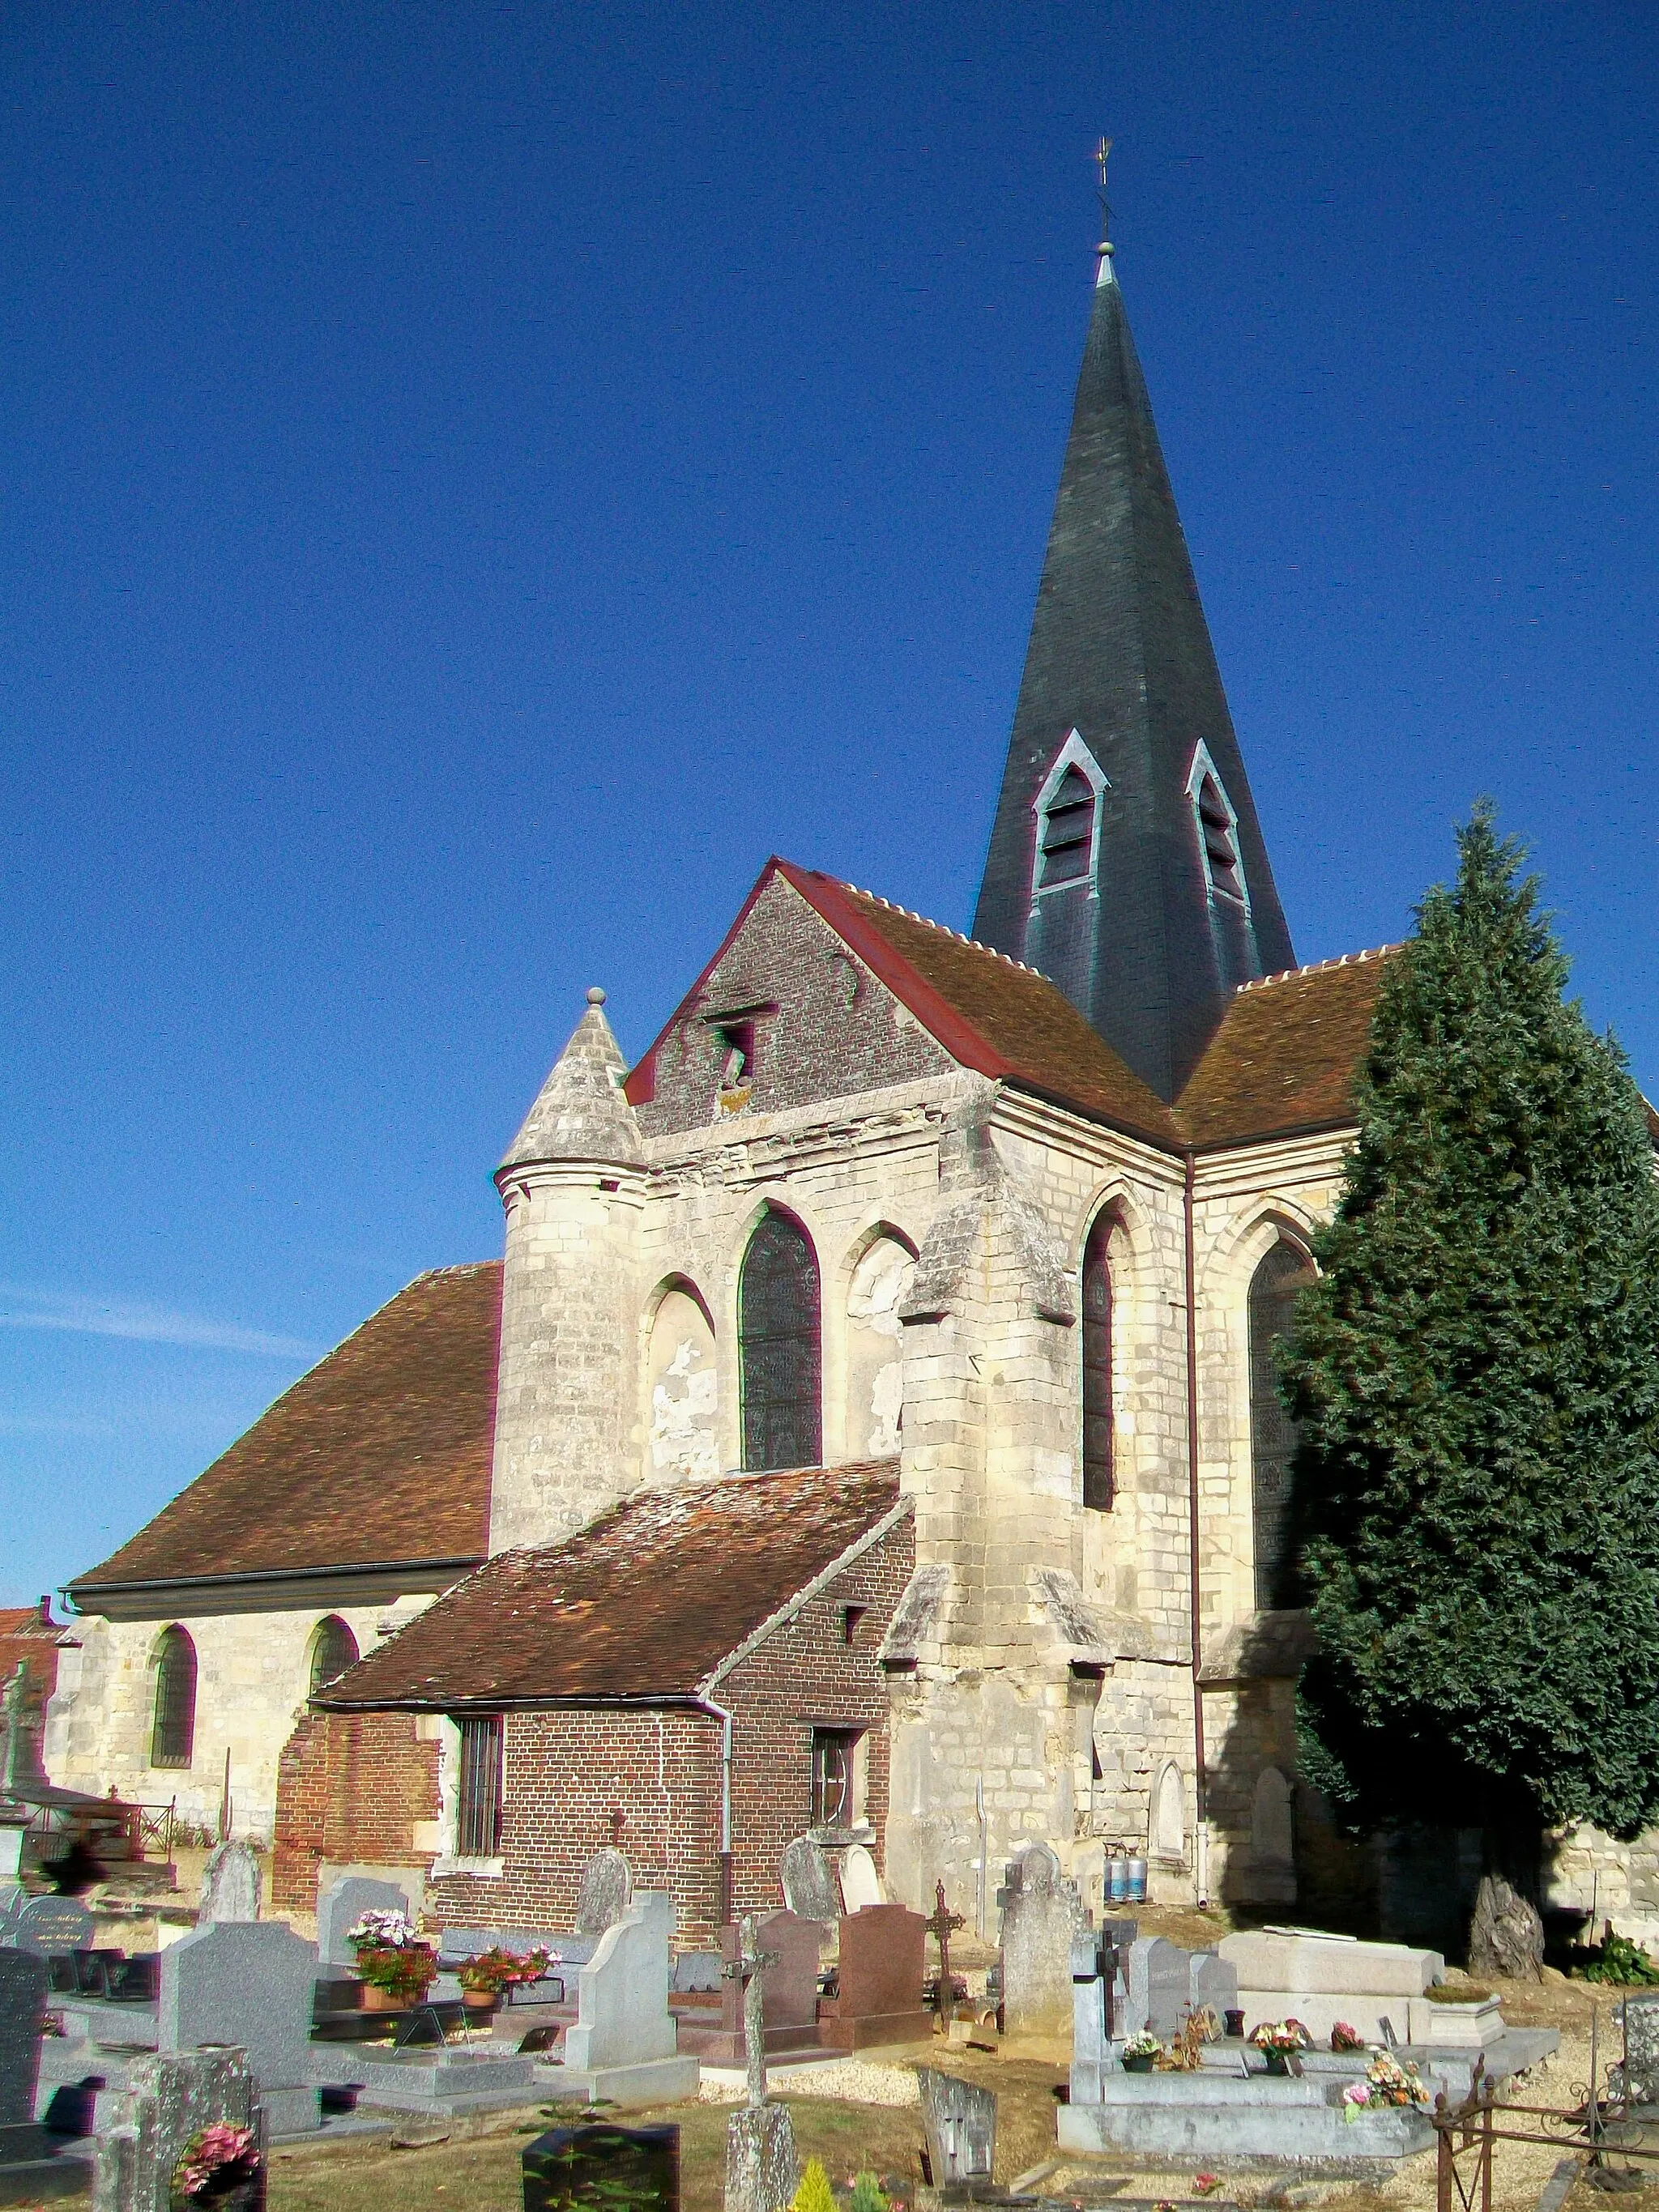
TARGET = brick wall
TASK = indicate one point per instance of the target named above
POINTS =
(349, 1786)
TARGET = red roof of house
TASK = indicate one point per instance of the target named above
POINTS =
(643, 1604)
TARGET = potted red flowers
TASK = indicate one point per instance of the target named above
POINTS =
(395, 1967)
(484, 1977)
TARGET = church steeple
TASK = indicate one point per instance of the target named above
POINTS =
(1125, 862)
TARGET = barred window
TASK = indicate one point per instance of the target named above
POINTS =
(478, 1814)
(779, 1324)
(173, 1735)
(1274, 1434)
(333, 1649)
(835, 1777)
(1098, 1489)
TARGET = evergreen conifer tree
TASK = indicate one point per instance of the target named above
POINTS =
(1476, 1372)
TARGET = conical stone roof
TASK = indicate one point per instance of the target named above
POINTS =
(581, 1113)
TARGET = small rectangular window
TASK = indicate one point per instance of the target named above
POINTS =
(837, 1778)
(478, 1814)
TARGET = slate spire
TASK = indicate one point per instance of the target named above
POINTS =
(1126, 860)
(581, 1113)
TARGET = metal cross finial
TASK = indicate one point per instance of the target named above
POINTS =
(749, 1968)
(1101, 151)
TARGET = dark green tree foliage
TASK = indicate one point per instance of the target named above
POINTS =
(1477, 1373)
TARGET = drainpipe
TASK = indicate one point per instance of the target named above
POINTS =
(728, 1903)
(1200, 1808)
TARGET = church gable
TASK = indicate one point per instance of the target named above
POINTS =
(785, 1015)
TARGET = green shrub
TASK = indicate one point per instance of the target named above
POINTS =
(1619, 1960)
(814, 2194)
(868, 2194)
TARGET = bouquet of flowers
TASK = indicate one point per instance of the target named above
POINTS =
(390, 1954)
(496, 1969)
(214, 2159)
(1282, 2035)
(1344, 2037)
(1386, 2082)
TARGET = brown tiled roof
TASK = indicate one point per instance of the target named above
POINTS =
(643, 1603)
(380, 1454)
(1285, 1055)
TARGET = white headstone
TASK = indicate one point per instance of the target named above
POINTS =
(860, 1885)
(621, 2002)
(231, 1885)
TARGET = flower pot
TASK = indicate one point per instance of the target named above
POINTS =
(1277, 2062)
(1141, 2064)
(480, 2000)
(375, 1999)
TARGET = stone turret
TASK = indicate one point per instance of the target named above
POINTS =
(572, 1184)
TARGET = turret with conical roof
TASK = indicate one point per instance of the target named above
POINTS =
(572, 1184)
(1126, 860)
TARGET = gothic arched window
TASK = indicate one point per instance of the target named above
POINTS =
(173, 1735)
(1097, 1484)
(1217, 831)
(1274, 1434)
(333, 1649)
(778, 1341)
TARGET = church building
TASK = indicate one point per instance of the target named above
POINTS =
(870, 1428)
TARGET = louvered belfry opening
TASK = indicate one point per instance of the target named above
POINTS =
(173, 1738)
(478, 1814)
(1273, 1435)
(1068, 834)
(333, 1649)
(779, 1333)
(1098, 1483)
(1215, 822)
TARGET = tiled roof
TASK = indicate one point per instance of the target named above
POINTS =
(1285, 1056)
(643, 1603)
(380, 1454)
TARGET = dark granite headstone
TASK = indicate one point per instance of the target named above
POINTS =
(604, 2167)
(961, 2123)
(883, 1966)
(809, 1883)
(606, 1889)
(789, 1989)
(23, 2018)
(52, 1924)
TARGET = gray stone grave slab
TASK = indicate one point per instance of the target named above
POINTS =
(231, 1885)
(809, 1884)
(50, 1925)
(343, 1904)
(607, 1886)
(1041, 1912)
(960, 2125)
(249, 1984)
(1160, 1987)
(1213, 1983)
(22, 2020)
(169, 2097)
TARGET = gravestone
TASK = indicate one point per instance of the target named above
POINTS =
(12, 1898)
(343, 1904)
(169, 2097)
(1099, 2004)
(860, 1885)
(882, 1972)
(960, 2125)
(625, 2042)
(809, 1884)
(1639, 2074)
(761, 2164)
(232, 1886)
(604, 2166)
(1041, 1912)
(249, 1984)
(12, 1829)
(22, 2022)
(51, 1925)
(1211, 1982)
(1159, 1976)
(1506, 1933)
(789, 1989)
(607, 1888)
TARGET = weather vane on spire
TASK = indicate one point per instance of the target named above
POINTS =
(1101, 152)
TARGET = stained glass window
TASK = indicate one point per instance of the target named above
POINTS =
(779, 1333)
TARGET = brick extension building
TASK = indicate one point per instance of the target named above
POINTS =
(971, 1254)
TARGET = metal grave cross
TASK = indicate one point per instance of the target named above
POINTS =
(942, 1925)
(749, 1968)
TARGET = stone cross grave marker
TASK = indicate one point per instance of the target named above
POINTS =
(248, 1984)
(960, 2125)
(607, 1890)
(22, 2022)
(231, 1885)
(942, 1925)
(762, 2170)
(809, 1886)
(604, 2166)
(343, 1903)
(169, 2097)
(52, 1925)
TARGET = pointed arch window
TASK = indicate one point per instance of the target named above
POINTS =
(333, 1649)
(1098, 1486)
(1067, 810)
(173, 1731)
(1217, 826)
(779, 1339)
(1273, 1435)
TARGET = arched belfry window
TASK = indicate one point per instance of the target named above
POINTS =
(1217, 831)
(333, 1649)
(172, 1733)
(1098, 1488)
(778, 1307)
(1274, 1434)
(1067, 810)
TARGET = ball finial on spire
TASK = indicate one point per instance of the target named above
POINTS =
(596, 996)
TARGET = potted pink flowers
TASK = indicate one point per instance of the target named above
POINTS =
(218, 2167)
(1387, 2082)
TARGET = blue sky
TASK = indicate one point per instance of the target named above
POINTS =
(476, 479)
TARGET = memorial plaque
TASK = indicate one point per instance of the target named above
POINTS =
(603, 2167)
(47, 1925)
(961, 2122)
